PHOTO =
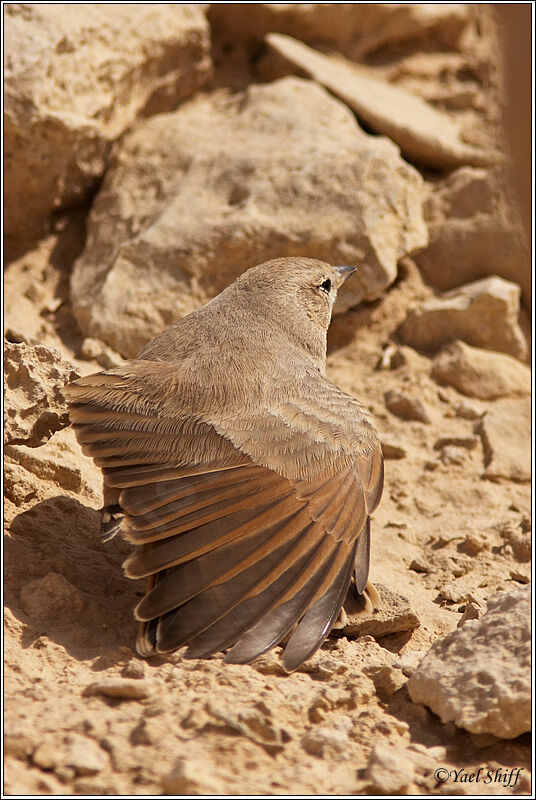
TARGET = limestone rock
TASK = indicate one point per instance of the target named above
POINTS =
(326, 738)
(34, 405)
(405, 407)
(70, 91)
(355, 30)
(424, 134)
(389, 771)
(183, 212)
(505, 431)
(190, 777)
(484, 314)
(386, 678)
(479, 373)
(393, 615)
(72, 752)
(409, 661)
(473, 610)
(473, 233)
(56, 462)
(479, 675)
(519, 539)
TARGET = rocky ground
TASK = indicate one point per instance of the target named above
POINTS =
(152, 154)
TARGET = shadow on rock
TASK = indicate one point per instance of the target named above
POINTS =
(64, 583)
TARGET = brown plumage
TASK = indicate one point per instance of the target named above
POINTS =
(244, 478)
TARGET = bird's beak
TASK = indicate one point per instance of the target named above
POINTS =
(343, 273)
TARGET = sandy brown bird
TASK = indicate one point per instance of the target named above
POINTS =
(244, 478)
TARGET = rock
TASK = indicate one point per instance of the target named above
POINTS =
(453, 455)
(465, 411)
(89, 786)
(386, 678)
(458, 590)
(135, 669)
(389, 771)
(332, 737)
(393, 451)
(70, 91)
(51, 596)
(249, 722)
(479, 675)
(93, 349)
(505, 431)
(473, 610)
(190, 777)
(84, 755)
(521, 574)
(483, 314)
(405, 407)
(393, 615)
(34, 406)
(56, 464)
(121, 688)
(73, 752)
(424, 134)
(467, 442)
(354, 30)
(518, 539)
(473, 544)
(419, 565)
(289, 171)
(409, 661)
(19, 484)
(473, 233)
(18, 745)
(479, 373)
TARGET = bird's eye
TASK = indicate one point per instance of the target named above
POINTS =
(326, 286)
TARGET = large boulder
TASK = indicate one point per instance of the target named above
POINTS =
(76, 77)
(479, 676)
(196, 197)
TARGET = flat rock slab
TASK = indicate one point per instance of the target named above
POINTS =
(424, 134)
(183, 211)
(483, 314)
(505, 430)
(480, 373)
(479, 676)
(393, 615)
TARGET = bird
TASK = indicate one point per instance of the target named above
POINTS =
(242, 476)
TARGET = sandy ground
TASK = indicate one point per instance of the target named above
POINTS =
(442, 537)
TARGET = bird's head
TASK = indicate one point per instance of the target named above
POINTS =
(305, 289)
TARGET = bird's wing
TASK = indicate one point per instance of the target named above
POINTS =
(249, 526)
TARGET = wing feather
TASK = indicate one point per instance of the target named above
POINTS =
(247, 524)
